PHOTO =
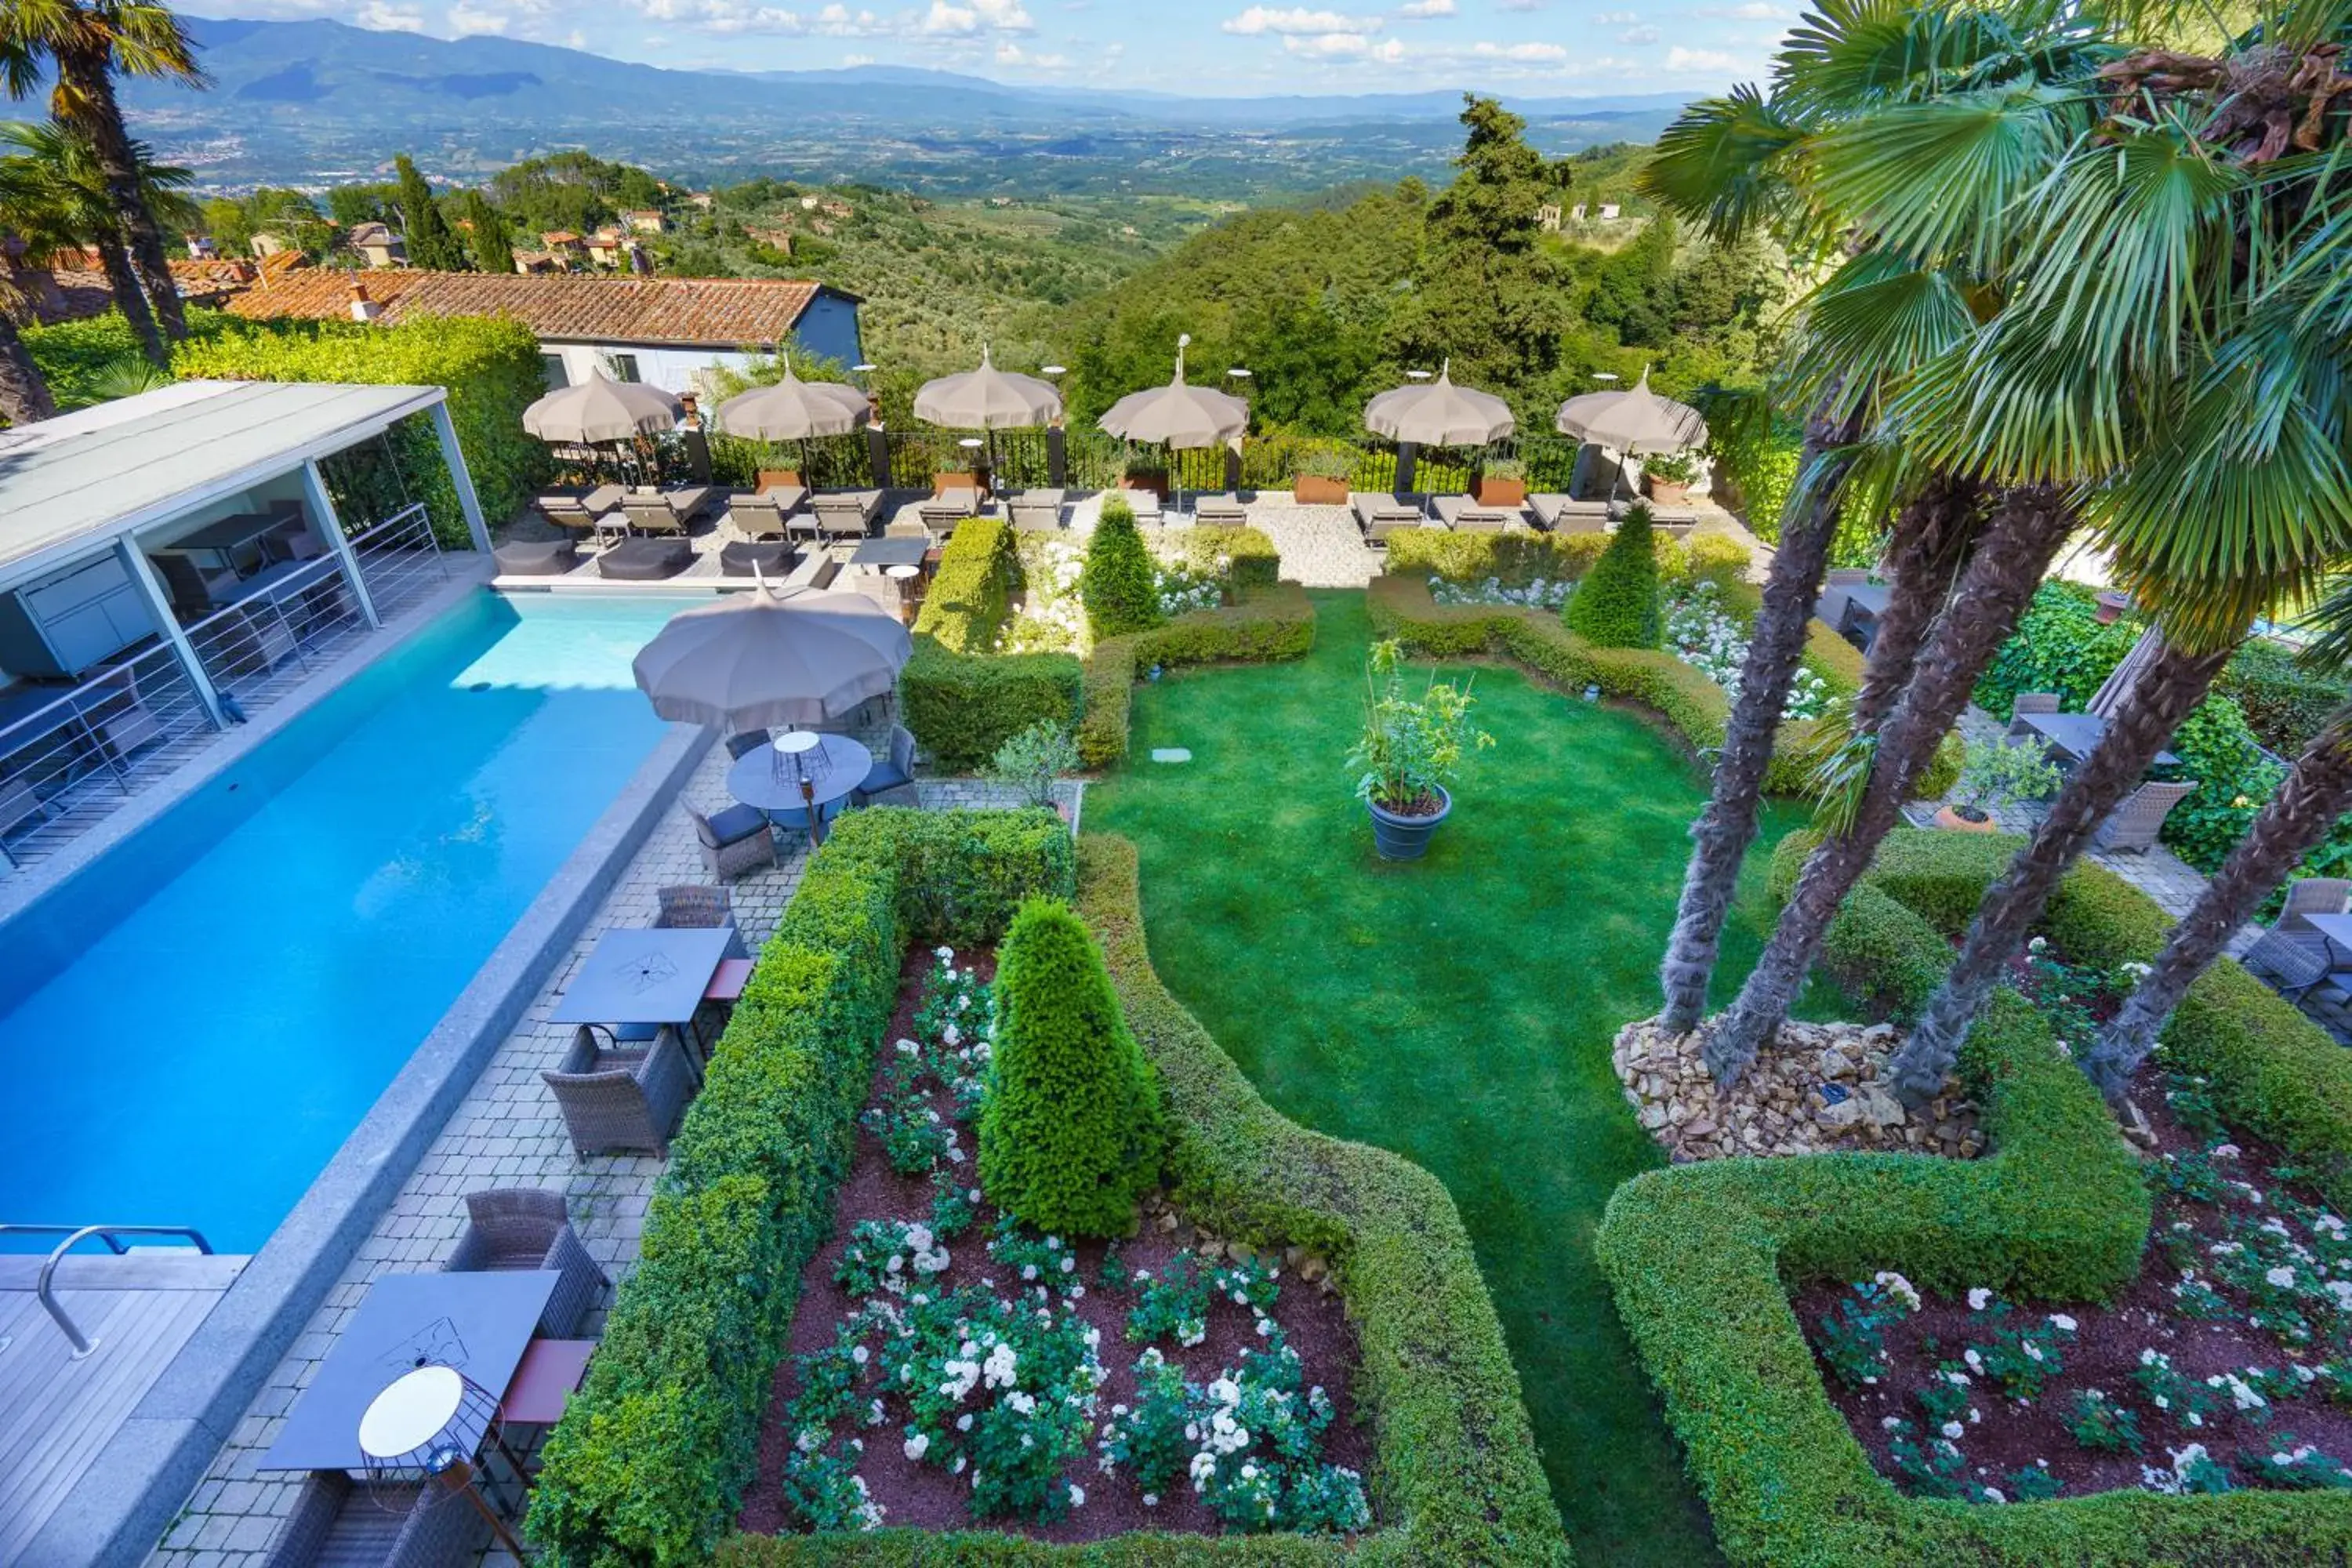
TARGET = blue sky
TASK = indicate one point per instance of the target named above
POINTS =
(1553, 48)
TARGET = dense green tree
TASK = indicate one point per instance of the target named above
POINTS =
(376, 200)
(1071, 1135)
(84, 45)
(492, 246)
(1119, 584)
(432, 243)
(55, 196)
(1616, 604)
(1633, 289)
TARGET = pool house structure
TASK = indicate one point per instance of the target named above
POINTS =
(172, 563)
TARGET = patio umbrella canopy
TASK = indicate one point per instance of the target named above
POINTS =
(1178, 415)
(602, 409)
(762, 659)
(988, 399)
(1635, 422)
(794, 410)
(1439, 413)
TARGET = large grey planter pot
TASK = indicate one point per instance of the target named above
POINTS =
(1406, 837)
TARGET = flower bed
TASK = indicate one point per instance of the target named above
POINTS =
(1536, 593)
(2226, 1363)
(953, 1368)
(1047, 617)
(1703, 635)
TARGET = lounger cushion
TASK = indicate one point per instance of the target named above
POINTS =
(537, 557)
(737, 822)
(736, 558)
(646, 559)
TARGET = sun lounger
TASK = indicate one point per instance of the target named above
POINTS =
(949, 507)
(574, 515)
(1464, 517)
(1220, 510)
(650, 516)
(1381, 515)
(691, 505)
(1038, 511)
(1145, 504)
(1562, 514)
(767, 515)
(846, 514)
(1674, 521)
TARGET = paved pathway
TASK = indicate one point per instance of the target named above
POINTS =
(507, 1132)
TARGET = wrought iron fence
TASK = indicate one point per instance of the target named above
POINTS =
(399, 559)
(69, 763)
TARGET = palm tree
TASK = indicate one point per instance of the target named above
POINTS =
(1883, 310)
(54, 173)
(87, 42)
(2167, 351)
(24, 390)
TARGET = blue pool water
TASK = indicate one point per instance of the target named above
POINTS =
(195, 1022)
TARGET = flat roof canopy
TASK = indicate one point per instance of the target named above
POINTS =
(93, 476)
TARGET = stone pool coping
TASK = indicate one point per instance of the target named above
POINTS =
(122, 1505)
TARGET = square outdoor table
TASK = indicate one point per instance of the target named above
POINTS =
(647, 976)
(2337, 931)
(477, 1323)
(2076, 735)
(905, 551)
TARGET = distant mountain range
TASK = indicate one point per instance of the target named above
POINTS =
(314, 101)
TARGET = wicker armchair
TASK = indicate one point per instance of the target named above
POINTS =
(744, 743)
(337, 1521)
(2031, 702)
(529, 1228)
(2314, 896)
(622, 1096)
(693, 907)
(893, 775)
(2134, 823)
(2296, 961)
(737, 841)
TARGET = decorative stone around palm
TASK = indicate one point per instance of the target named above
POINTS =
(1818, 1089)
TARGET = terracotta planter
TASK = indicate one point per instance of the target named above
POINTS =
(1950, 818)
(779, 479)
(1314, 489)
(1667, 492)
(2112, 605)
(1502, 493)
(942, 483)
(1156, 483)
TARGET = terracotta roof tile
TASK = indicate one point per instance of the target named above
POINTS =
(699, 312)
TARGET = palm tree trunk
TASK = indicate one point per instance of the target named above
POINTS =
(122, 282)
(1720, 837)
(24, 392)
(2174, 682)
(2316, 791)
(2031, 524)
(110, 143)
(1923, 558)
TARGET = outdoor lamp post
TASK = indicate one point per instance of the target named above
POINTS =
(802, 764)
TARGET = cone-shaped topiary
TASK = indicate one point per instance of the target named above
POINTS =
(1071, 1136)
(1616, 605)
(1119, 586)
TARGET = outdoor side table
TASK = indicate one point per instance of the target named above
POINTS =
(549, 1374)
(479, 1323)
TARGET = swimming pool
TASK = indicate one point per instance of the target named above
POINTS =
(196, 1022)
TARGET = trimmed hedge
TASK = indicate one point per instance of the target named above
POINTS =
(963, 707)
(649, 1463)
(1694, 705)
(1250, 559)
(972, 593)
(1701, 1257)
(1617, 605)
(1514, 559)
(491, 366)
(1266, 625)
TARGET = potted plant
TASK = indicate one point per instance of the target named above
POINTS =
(1032, 760)
(1320, 477)
(1503, 483)
(1670, 475)
(1142, 473)
(1411, 749)
(1993, 774)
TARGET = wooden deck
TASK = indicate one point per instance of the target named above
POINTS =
(57, 1412)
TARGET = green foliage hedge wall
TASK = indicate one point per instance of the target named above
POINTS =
(491, 369)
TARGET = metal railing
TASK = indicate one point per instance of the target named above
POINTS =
(256, 649)
(77, 757)
(399, 559)
(74, 1236)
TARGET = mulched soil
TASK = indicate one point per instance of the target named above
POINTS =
(2102, 1354)
(1314, 1322)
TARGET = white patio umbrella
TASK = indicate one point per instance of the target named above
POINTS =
(602, 409)
(794, 410)
(1636, 422)
(988, 399)
(1439, 413)
(753, 660)
(1178, 417)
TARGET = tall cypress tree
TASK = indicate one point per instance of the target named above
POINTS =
(431, 242)
(493, 245)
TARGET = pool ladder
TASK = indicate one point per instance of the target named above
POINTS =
(74, 1236)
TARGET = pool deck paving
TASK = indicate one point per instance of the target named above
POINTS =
(506, 1132)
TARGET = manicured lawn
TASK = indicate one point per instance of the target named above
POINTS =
(1459, 1011)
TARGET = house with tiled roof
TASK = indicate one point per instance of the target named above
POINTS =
(377, 245)
(669, 332)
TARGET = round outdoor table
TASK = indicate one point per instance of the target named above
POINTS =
(754, 781)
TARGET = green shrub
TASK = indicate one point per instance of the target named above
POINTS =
(2217, 750)
(1071, 1136)
(1264, 626)
(649, 1463)
(1515, 560)
(2059, 646)
(1616, 605)
(1250, 559)
(2285, 704)
(1716, 558)
(1119, 585)
(962, 707)
(491, 367)
(970, 595)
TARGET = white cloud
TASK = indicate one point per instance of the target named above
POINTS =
(851, 61)
(389, 18)
(1712, 62)
(1344, 46)
(1753, 11)
(1299, 22)
(466, 20)
(1009, 53)
(1518, 5)
(1644, 34)
(1421, 10)
(1521, 54)
(1618, 18)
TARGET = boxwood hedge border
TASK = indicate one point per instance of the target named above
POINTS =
(1701, 1257)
